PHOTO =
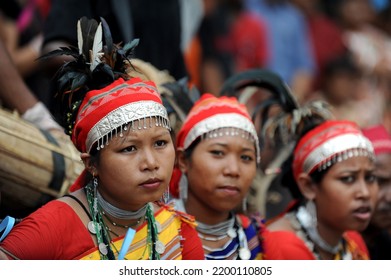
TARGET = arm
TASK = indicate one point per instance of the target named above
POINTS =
(15, 94)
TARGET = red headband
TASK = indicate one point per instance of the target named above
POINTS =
(208, 115)
(328, 143)
(109, 108)
(380, 138)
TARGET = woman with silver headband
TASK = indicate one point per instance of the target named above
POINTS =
(116, 208)
(217, 157)
(331, 176)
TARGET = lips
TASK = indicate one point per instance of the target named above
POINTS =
(152, 183)
(363, 213)
(230, 190)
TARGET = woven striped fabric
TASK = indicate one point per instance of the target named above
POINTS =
(169, 235)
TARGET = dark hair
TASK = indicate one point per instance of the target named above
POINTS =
(74, 79)
(286, 177)
(343, 63)
(189, 151)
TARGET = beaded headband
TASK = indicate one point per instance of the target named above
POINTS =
(213, 117)
(329, 143)
(108, 111)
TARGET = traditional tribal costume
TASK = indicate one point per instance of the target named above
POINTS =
(55, 231)
(329, 143)
(213, 117)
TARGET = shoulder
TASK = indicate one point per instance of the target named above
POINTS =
(185, 223)
(179, 215)
(43, 234)
(281, 241)
(356, 245)
(285, 245)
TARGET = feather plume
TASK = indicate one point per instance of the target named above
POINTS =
(286, 126)
(96, 63)
(107, 34)
(97, 46)
(79, 37)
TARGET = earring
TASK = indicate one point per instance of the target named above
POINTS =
(244, 205)
(183, 183)
(95, 182)
(307, 215)
(165, 196)
(311, 209)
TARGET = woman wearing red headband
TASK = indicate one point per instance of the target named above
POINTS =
(331, 175)
(122, 131)
(218, 151)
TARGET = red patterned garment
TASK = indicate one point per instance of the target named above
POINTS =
(286, 245)
(55, 232)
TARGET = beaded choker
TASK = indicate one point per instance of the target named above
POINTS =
(303, 234)
(120, 213)
(135, 223)
(218, 229)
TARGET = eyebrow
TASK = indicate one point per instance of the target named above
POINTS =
(131, 135)
(226, 145)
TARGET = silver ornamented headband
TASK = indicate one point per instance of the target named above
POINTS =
(212, 127)
(336, 150)
(103, 130)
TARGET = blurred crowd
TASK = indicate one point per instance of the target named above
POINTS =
(336, 50)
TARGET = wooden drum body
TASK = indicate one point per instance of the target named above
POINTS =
(35, 166)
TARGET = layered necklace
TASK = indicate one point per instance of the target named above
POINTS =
(311, 236)
(99, 207)
(231, 228)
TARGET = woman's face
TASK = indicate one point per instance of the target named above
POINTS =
(382, 216)
(346, 196)
(136, 168)
(220, 172)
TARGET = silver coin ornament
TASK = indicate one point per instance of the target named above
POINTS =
(103, 249)
(158, 227)
(91, 227)
(244, 254)
(159, 247)
(232, 233)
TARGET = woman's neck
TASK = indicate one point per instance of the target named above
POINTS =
(331, 236)
(204, 213)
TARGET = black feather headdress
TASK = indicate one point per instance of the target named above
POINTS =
(283, 127)
(96, 63)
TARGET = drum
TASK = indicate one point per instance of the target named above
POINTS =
(35, 166)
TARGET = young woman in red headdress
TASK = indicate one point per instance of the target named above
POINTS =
(122, 131)
(331, 175)
(218, 152)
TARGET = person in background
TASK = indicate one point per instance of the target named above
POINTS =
(158, 28)
(217, 156)
(325, 36)
(286, 26)
(331, 175)
(119, 125)
(16, 95)
(232, 39)
(378, 234)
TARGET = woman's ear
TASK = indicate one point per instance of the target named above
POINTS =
(182, 161)
(88, 163)
(306, 186)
